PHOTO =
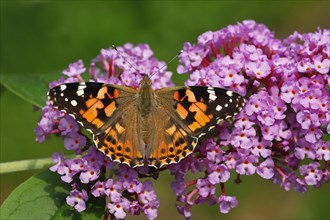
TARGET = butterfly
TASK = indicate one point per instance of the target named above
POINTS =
(145, 126)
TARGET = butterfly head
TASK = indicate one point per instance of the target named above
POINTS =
(145, 82)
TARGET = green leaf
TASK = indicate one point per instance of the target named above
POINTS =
(95, 210)
(30, 87)
(43, 196)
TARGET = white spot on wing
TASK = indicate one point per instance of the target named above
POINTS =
(210, 128)
(229, 93)
(212, 97)
(218, 108)
(73, 116)
(74, 103)
(80, 92)
(66, 99)
(210, 90)
(62, 94)
(81, 88)
(202, 134)
(226, 105)
(219, 121)
(62, 87)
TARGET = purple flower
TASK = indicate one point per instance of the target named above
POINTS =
(259, 69)
(321, 65)
(74, 141)
(266, 169)
(75, 69)
(304, 149)
(185, 211)
(253, 105)
(231, 160)
(147, 195)
(77, 200)
(66, 172)
(126, 173)
(150, 212)
(218, 174)
(191, 57)
(244, 121)
(245, 165)
(243, 138)
(289, 92)
(205, 188)
(91, 173)
(214, 152)
(133, 186)
(98, 189)
(67, 125)
(312, 134)
(97, 158)
(118, 209)
(58, 159)
(323, 150)
(178, 187)
(230, 76)
(113, 189)
(269, 132)
(311, 99)
(260, 148)
(44, 127)
(312, 175)
(226, 203)
(304, 118)
(129, 79)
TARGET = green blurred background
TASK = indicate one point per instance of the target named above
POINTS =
(45, 36)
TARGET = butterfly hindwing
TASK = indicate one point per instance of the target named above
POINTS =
(122, 140)
(168, 142)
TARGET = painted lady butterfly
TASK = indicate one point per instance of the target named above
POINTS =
(157, 127)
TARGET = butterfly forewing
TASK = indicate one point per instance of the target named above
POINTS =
(198, 109)
(107, 112)
(187, 113)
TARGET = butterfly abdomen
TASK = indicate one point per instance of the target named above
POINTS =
(145, 98)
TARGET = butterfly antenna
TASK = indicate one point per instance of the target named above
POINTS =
(168, 62)
(119, 53)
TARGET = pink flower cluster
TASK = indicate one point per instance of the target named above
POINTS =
(282, 134)
(283, 131)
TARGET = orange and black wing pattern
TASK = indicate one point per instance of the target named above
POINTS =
(99, 109)
(190, 113)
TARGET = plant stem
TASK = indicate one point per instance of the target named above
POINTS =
(23, 165)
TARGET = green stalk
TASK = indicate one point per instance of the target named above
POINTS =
(34, 164)
(23, 165)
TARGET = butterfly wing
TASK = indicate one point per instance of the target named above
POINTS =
(168, 141)
(109, 113)
(190, 112)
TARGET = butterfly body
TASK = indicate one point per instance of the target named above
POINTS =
(157, 127)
